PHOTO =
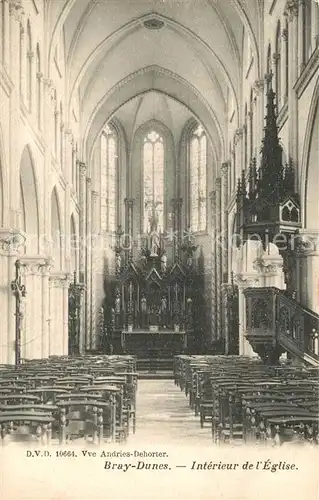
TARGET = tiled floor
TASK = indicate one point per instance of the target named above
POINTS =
(164, 416)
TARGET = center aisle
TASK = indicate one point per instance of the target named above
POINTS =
(163, 416)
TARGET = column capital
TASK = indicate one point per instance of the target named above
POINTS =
(16, 9)
(258, 86)
(89, 182)
(82, 167)
(307, 242)
(284, 34)
(95, 194)
(246, 280)
(292, 8)
(177, 202)
(34, 265)
(276, 56)
(224, 167)
(218, 183)
(60, 280)
(129, 202)
(11, 240)
(40, 75)
(238, 135)
(30, 54)
(268, 266)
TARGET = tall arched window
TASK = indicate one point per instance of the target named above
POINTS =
(153, 180)
(198, 179)
(109, 147)
(29, 67)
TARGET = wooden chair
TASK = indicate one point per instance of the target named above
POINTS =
(26, 426)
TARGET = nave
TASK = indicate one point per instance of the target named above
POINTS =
(212, 400)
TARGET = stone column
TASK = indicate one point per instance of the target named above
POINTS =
(9, 251)
(39, 99)
(250, 145)
(259, 99)
(45, 273)
(16, 16)
(95, 256)
(219, 252)
(23, 64)
(30, 97)
(88, 263)
(301, 39)
(68, 158)
(129, 203)
(82, 250)
(34, 336)
(276, 58)
(82, 169)
(213, 267)
(292, 13)
(5, 32)
(59, 284)
(177, 228)
(224, 219)
(238, 143)
(56, 114)
(284, 65)
(244, 281)
(308, 258)
(225, 249)
(315, 26)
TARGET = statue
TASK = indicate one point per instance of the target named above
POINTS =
(163, 305)
(155, 242)
(143, 311)
(189, 261)
(118, 262)
(117, 302)
(189, 305)
(143, 305)
(164, 262)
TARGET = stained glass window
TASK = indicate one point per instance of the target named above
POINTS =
(108, 179)
(153, 179)
(198, 179)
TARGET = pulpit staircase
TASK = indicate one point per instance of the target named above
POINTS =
(277, 323)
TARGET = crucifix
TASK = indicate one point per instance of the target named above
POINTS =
(19, 292)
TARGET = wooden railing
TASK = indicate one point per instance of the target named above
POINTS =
(276, 322)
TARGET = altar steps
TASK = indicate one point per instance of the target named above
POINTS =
(155, 368)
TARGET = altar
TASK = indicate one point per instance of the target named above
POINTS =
(161, 342)
(155, 305)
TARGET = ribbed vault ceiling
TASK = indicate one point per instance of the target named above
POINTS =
(194, 58)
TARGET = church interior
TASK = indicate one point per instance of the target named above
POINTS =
(159, 220)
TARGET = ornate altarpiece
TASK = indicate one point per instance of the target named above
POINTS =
(155, 307)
